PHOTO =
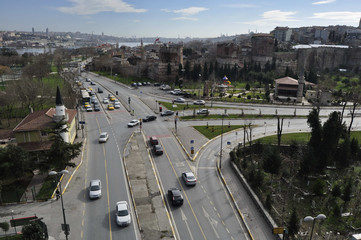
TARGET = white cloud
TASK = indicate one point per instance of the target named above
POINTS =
(88, 7)
(340, 16)
(185, 18)
(190, 11)
(323, 2)
(186, 13)
(240, 5)
(273, 17)
(278, 16)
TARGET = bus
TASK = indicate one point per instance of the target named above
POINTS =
(85, 96)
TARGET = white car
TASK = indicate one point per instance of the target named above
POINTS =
(116, 105)
(133, 123)
(179, 100)
(122, 214)
(105, 100)
(95, 189)
(199, 102)
(203, 111)
(103, 137)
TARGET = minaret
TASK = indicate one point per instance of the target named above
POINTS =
(60, 115)
(301, 84)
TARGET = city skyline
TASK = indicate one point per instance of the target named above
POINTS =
(201, 19)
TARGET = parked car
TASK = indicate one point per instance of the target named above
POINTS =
(133, 123)
(157, 84)
(139, 84)
(167, 113)
(189, 178)
(149, 118)
(199, 102)
(103, 137)
(179, 100)
(153, 140)
(95, 189)
(134, 84)
(203, 111)
(87, 79)
(175, 196)
(158, 150)
(122, 214)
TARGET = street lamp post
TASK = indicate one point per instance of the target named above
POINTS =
(313, 220)
(12, 217)
(66, 227)
(220, 154)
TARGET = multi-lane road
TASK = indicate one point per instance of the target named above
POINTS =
(207, 212)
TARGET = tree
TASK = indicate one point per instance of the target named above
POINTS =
(61, 153)
(4, 226)
(14, 161)
(272, 160)
(347, 191)
(33, 231)
(293, 223)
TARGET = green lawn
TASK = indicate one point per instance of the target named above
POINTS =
(213, 131)
(235, 116)
(287, 138)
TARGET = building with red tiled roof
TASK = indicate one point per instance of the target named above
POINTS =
(31, 133)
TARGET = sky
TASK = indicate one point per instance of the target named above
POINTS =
(174, 18)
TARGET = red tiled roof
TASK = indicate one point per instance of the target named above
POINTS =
(36, 146)
(41, 119)
(6, 134)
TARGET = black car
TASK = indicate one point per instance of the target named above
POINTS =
(157, 84)
(149, 118)
(96, 107)
(158, 150)
(175, 196)
(167, 113)
(92, 83)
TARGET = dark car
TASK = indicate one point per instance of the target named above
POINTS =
(134, 84)
(96, 107)
(100, 90)
(153, 140)
(175, 196)
(92, 83)
(158, 150)
(149, 118)
(157, 84)
(167, 113)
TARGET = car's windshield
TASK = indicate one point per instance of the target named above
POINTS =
(94, 188)
(102, 136)
(122, 213)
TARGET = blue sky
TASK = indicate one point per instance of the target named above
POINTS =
(171, 18)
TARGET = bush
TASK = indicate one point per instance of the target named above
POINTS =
(249, 97)
(318, 187)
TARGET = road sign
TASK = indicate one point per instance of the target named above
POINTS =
(82, 122)
(192, 148)
(228, 143)
(192, 141)
(278, 230)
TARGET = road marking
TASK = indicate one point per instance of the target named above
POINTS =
(180, 184)
(184, 218)
(107, 183)
(212, 221)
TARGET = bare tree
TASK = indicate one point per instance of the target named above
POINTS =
(279, 130)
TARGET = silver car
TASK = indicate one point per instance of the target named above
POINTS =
(103, 137)
(122, 213)
(189, 178)
(95, 189)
